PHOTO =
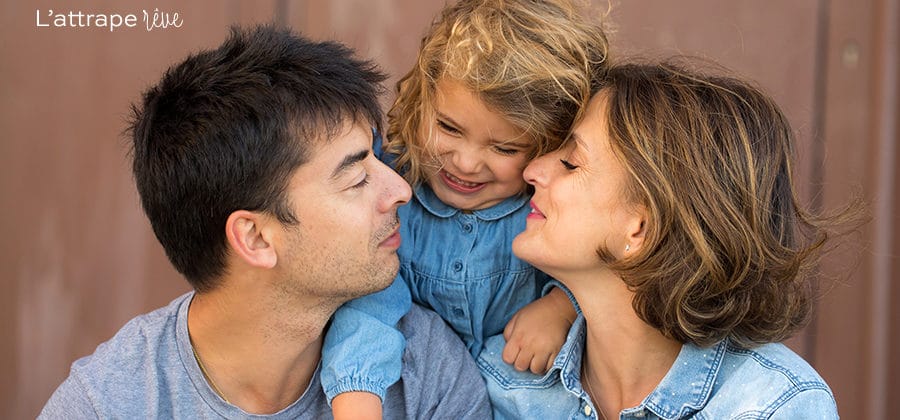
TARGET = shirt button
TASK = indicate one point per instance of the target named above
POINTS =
(467, 227)
(587, 410)
(639, 414)
(457, 266)
(458, 312)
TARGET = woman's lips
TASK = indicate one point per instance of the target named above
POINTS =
(535, 212)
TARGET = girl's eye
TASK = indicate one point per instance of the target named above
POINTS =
(568, 165)
(504, 151)
(447, 127)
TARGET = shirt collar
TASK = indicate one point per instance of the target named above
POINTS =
(568, 361)
(685, 389)
(435, 206)
(687, 386)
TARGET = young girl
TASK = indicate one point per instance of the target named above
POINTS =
(497, 83)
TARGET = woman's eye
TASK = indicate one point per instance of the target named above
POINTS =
(568, 165)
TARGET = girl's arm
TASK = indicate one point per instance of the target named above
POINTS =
(536, 332)
(362, 352)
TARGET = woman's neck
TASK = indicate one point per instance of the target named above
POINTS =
(625, 358)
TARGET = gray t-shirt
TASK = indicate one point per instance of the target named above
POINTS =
(147, 370)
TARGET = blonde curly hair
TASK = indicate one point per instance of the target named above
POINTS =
(534, 62)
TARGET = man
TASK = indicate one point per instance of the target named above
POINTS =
(254, 165)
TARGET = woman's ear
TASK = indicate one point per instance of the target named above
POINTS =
(249, 238)
(636, 229)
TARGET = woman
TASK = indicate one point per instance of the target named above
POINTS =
(670, 216)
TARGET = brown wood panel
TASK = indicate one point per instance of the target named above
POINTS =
(885, 368)
(83, 259)
(846, 338)
(388, 32)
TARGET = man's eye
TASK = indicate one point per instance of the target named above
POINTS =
(363, 183)
(568, 165)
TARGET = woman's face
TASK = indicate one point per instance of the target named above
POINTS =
(579, 202)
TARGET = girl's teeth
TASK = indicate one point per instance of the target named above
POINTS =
(461, 182)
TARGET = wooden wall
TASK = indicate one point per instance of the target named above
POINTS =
(79, 259)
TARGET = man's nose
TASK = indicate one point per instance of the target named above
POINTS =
(396, 191)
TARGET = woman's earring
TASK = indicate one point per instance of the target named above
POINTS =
(627, 247)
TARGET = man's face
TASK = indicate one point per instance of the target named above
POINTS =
(346, 200)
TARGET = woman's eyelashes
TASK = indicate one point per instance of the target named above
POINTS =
(568, 165)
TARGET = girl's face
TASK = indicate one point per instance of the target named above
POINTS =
(481, 155)
(579, 203)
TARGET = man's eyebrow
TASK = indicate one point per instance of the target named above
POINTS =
(349, 161)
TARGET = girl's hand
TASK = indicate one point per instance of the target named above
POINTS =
(537, 332)
(356, 405)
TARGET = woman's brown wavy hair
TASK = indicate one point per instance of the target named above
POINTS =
(727, 246)
(534, 62)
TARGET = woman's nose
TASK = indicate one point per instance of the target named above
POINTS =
(536, 171)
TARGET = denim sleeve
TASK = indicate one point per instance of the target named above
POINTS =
(363, 348)
(551, 283)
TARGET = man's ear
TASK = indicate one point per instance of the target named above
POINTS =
(249, 238)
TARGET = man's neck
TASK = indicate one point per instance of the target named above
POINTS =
(256, 354)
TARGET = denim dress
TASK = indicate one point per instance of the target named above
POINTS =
(459, 264)
(719, 382)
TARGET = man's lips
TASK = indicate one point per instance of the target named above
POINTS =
(460, 185)
(535, 212)
(392, 241)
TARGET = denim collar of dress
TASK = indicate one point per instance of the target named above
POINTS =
(435, 206)
(685, 389)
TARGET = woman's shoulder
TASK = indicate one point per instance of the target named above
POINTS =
(773, 361)
(770, 379)
(503, 375)
(516, 394)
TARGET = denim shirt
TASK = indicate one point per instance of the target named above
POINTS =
(460, 264)
(719, 382)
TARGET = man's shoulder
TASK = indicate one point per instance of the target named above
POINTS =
(148, 335)
(439, 378)
(127, 368)
(423, 328)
